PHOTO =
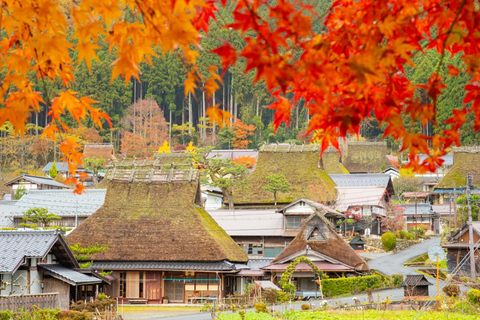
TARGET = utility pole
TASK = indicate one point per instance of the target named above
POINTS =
(450, 216)
(416, 229)
(454, 206)
(470, 229)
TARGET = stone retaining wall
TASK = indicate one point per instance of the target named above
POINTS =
(375, 245)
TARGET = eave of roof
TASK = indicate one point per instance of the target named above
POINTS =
(67, 275)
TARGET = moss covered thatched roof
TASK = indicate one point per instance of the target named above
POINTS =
(464, 161)
(104, 151)
(302, 171)
(331, 245)
(144, 221)
(365, 157)
(330, 162)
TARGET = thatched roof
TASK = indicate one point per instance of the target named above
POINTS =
(330, 162)
(300, 168)
(465, 160)
(101, 150)
(156, 221)
(365, 157)
(331, 244)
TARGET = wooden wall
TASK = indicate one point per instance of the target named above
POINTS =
(55, 285)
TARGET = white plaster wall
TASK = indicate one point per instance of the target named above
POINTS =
(300, 209)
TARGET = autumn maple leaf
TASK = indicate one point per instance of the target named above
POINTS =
(219, 116)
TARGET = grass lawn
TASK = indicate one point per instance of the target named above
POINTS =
(346, 315)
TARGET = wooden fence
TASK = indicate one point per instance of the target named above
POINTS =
(42, 300)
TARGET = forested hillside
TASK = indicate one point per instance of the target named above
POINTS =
(145, 113)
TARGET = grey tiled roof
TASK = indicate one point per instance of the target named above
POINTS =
(257, 263)
(415, 280)
(16, 245)
(361, 180)
(39, 180)
(68, 275)
(63, 203)
(139, 265)
(6, 207)
(61, 166)
(422, 208)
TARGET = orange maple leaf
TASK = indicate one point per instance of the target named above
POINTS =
(219, 116)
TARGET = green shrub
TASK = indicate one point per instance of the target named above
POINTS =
(473, 296)
(389, 241)
(241, 313)
(452, 290)
(306, 306)
(6, 315)
(270, 295)
(261, 307)
(402, 234)
(335, 287)
(410, 236)
(422, 229)
(283, 296)
(397, 280)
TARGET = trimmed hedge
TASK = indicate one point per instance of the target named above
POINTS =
(339, 286)
(389, 241)
(397, 280)
(473, 296)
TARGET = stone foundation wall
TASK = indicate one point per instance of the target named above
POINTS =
(375, 245)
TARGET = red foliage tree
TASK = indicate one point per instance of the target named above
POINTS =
(241, 132)
(145, 128)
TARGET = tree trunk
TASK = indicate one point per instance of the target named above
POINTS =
(204, 130)
(213, 123)
(190, 113)
(36, 123)
(231, 97)
(275, 198)
(170, 129)
(223, 98)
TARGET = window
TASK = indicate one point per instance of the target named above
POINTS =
(294, 222)
(253, 248)
(272, 252)
(302, 204)
(123, 284)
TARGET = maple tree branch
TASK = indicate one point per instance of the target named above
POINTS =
(448, 33)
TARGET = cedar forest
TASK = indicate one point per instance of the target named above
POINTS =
(137, 73)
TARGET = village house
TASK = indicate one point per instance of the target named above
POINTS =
(365, 156)
(212, 197)
(363, 198)
(421, 213)
(162, 245)
(62, 169)
(233, 154)
(299, 164)
(465, 160)
(266, 232)
(72, 208)
(31, 182)
(103, 151)
(324, 247)
(416, 197)
(458, 249)
(415, 286)
(39, 262)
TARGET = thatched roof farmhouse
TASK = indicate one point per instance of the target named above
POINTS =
(155, 227)
(301, 167)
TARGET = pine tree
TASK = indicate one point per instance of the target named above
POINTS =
(277, 183)
(53, 173)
